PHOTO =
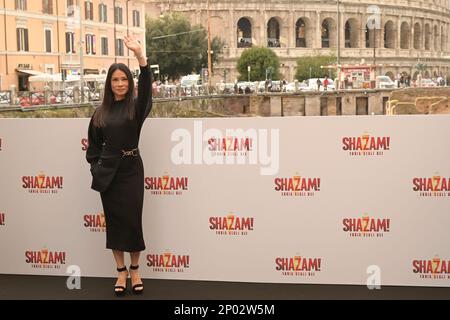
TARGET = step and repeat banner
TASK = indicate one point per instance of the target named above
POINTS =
(330, 200)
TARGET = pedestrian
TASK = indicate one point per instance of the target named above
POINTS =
(319, 83)
(325, 83)
(116, 166)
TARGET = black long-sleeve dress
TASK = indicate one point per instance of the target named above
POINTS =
(123, 199)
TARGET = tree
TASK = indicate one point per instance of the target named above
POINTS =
(310, 67)
(421, 67)
(184, 51)
(262, 61)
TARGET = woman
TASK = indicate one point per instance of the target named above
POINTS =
(116, 166)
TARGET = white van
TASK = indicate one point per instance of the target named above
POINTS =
(191, 80)
(384, 82)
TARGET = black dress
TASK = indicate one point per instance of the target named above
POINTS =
(123, 199)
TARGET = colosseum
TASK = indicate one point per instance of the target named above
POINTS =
(395, 35)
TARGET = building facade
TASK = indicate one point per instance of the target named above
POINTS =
(43, 36)
(397, 35)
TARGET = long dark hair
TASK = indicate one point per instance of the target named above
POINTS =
(108, 99)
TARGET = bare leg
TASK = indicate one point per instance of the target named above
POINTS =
(120, 262)
(134, 256)
(135, 277)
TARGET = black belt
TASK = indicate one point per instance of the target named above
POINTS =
(130, 153)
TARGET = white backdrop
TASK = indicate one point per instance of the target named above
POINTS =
(231, 222)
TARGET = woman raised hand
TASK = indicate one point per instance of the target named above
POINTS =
(134, 45)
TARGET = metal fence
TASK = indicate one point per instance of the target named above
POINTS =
(26, 99)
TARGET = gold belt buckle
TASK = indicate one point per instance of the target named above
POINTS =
(129, 153)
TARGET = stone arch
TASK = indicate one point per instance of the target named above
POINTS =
(427, 36)
(405, 34)
(273, 32)
(244, 33)
(370, 37)
(351, 33)
(443, 39)
(390, 35)
(437, 47)
(390, 74)
(303, 33)
(417, 36)
(328, 33)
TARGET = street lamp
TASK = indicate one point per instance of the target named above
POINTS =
(209, 48)
(338, 62)
(225, 71)
(81, 53)
(249, 68)
(338, 34)
(269, 73)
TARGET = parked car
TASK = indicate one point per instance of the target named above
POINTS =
(384, 82)
(427, 83)
(225, 87)
(301, 86)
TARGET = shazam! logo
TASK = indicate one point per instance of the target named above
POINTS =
(42, 183)
(297, 186)
(232, 147)
(436, 186)
(232, 225)
(95, 222)
(366, 227)
(366, 145)
(168, 262)
(436, 268)
(298, 266)
(45, 259)
(166, 185)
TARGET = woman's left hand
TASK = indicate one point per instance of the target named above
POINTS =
(133, 44)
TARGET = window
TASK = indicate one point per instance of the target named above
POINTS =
(118, 15)
(70, 42)
(89, 10)
(105, 46)
(47, 6)
(102, 13)
(22, 39)
(48, 40)
(70, 8)
(136, 18)
(119, 47)
(90, 44)
(21, 5)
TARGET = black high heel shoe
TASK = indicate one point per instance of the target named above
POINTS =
(120, 290)
(137, 288)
